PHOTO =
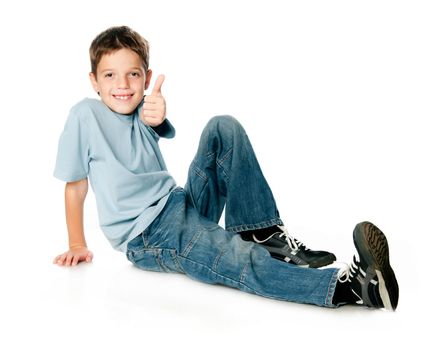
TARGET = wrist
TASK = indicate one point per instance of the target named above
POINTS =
(77, 246)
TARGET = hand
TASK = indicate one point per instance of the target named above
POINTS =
(74, 256)
(153, 110)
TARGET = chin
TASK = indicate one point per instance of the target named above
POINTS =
(124, 110)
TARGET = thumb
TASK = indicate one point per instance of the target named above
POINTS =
(156, 91)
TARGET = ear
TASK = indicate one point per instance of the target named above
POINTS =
(148, 78)
(94, 82)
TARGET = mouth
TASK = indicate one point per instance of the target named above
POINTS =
(124, 97)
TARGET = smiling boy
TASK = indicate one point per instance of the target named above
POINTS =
(114, 141)
(162, 227)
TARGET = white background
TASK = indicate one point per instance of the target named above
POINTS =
(330, 94)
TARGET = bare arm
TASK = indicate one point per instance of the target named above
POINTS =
(75, 194)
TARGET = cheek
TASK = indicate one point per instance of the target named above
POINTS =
(103, 87)
(142, 88)
(138, 85)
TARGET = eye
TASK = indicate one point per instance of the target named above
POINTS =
(135, 74)
(108, 75)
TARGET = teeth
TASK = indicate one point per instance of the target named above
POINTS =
(122, 97)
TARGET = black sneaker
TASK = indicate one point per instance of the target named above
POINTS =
(284, 247)
(370, 275)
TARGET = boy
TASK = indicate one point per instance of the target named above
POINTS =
(162, 227)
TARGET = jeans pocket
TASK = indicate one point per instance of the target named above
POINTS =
(155, 259)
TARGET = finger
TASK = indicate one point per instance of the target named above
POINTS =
(153, 99)
(89, 257)
(75, 260)
(159, 112)
(153, 114)
(59, 260)
(156, 91)
(149, 106)
(68, 259)
(158, 109)
(153, 122)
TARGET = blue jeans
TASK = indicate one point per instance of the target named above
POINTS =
(186, 238)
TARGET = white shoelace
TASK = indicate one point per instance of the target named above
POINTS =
(346, 272)
(293, 243)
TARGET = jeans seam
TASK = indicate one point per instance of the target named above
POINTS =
(191, 244)
(199, 196)
(215, 272)
(176, 260)
(243, 273)
(198, 171)
(145, 240)
(157, 253)
(210, 154)
(217, 260)
(224, 158)
(220, 164)
(239, 283)
(331, 289)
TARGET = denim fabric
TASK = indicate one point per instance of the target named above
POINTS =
(185, 237)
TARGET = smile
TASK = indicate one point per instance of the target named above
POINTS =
(122, 97)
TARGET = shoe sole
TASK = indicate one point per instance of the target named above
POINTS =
(372, 245)
(327, 260)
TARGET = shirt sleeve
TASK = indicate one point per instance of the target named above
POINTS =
(165, 130)
(72, 162)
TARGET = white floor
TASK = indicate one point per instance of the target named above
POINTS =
(111, 304)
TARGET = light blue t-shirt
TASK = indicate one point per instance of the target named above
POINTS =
(126, 170)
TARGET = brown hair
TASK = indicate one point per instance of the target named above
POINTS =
(116, 38)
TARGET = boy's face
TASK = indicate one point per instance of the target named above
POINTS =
(121, 80)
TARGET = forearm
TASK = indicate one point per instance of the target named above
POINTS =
(75, 194)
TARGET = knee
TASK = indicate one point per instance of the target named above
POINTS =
(224, 123)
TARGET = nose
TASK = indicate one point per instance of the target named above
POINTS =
(123, 82)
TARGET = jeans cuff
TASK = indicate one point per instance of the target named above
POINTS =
(331, 289)
(257, 226)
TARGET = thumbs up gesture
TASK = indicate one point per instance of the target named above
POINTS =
(153, 110)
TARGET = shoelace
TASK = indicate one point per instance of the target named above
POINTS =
(346, 273)
(293, 243)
